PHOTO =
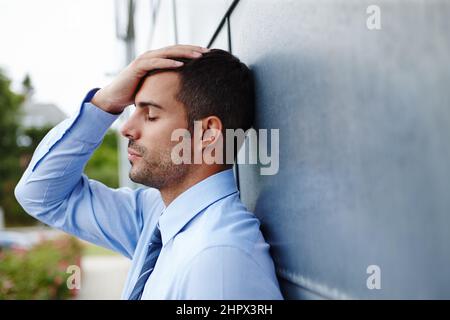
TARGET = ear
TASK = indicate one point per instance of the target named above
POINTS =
(212, 131)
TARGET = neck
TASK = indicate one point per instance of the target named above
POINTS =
(170, 193)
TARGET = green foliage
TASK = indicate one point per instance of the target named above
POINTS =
(10, 169)
(41, 272)
(103, 166)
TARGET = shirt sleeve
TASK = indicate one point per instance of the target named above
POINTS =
(54, 189)
(227, 273)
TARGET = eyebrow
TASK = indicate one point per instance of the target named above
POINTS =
(143, 104)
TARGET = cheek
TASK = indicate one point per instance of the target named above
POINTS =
(157, 136)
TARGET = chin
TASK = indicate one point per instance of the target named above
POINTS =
(133, 177)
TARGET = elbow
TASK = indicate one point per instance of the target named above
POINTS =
(22, 195)
(31, 198)
(19, 193)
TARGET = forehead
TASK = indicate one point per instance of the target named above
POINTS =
(161, 88)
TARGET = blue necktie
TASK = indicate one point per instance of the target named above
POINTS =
(154, 248)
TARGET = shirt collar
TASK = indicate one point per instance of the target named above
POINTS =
(192, 201)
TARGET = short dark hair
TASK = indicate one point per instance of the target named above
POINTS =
(218, 84)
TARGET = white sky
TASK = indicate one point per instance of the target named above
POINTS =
(66, 46)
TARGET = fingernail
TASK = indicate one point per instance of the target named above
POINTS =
(196, 54)
(178, 63)
(205, 49)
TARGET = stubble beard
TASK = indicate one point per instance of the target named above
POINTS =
(157, 171)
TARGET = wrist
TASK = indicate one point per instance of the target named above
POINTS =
(100, 102)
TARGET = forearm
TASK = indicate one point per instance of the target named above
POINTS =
(54, 189)
(59, 160)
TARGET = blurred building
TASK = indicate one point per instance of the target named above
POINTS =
(37, 115)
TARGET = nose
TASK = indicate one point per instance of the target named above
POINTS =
(130, 129)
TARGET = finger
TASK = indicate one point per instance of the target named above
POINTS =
(187, 47)
(179, 51)
(145, 65)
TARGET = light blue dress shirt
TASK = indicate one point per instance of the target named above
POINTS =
(212, 245)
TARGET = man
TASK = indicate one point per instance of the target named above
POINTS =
(188, 234)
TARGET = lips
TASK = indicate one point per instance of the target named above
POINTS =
(133, 153)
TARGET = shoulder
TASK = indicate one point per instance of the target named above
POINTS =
(228, 256)
(227, 272)
(226, 223)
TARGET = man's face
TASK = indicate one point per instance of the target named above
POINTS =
(149, 131)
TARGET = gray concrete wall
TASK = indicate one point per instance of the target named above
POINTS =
(364, 119)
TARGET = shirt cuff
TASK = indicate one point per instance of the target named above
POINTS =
(92, 123)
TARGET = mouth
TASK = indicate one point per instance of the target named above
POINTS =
(133, 155)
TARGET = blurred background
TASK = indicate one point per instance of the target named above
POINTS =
(364, 119)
